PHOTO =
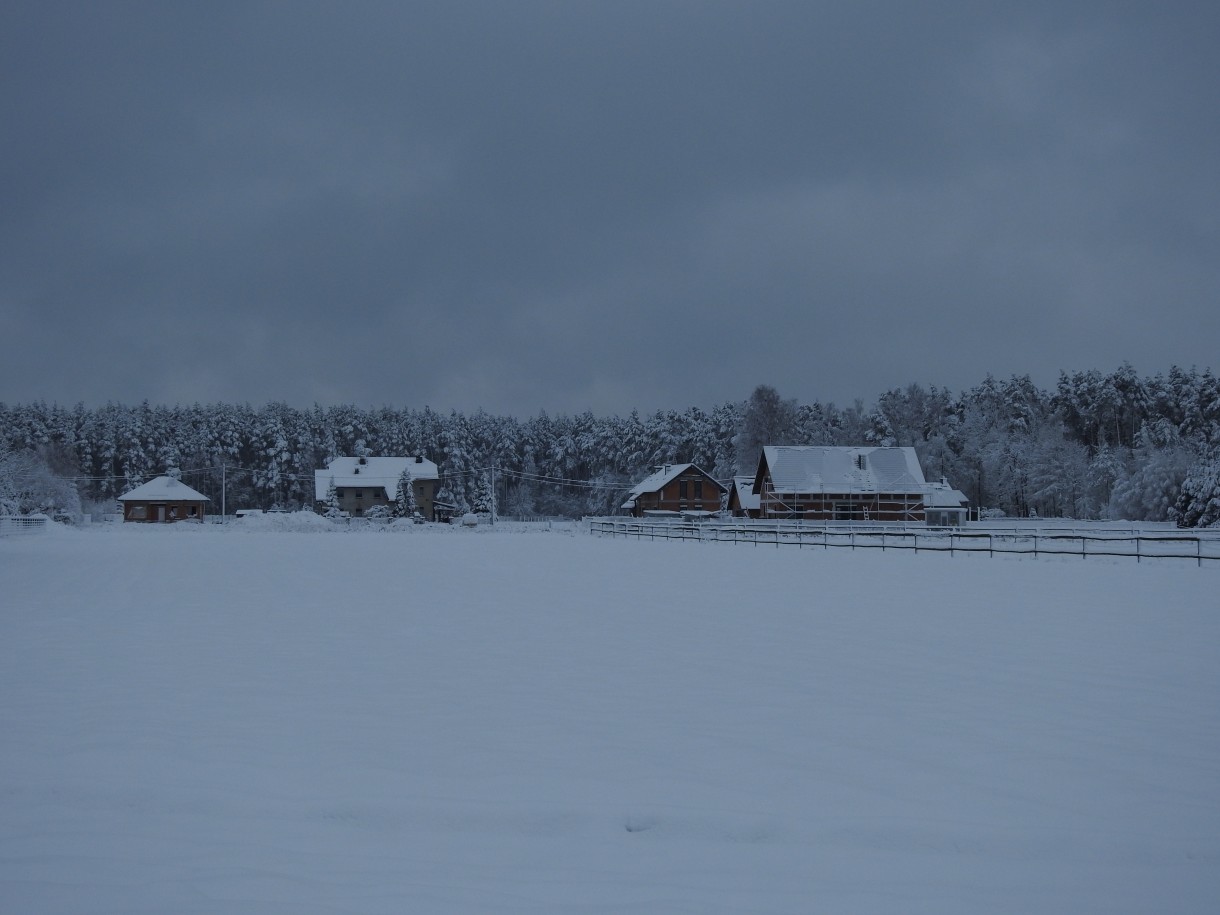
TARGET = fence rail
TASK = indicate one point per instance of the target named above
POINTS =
(17, 525)
(1136, 545)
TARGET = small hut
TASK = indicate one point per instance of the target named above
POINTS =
(163, 499)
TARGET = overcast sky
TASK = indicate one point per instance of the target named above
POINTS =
(567, 206)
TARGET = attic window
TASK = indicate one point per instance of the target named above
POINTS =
(362, 461)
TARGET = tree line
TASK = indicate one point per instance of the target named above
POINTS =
(1099, 445)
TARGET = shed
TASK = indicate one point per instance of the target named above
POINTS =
(945, 506)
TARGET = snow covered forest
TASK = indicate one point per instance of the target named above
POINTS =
(1099, 445)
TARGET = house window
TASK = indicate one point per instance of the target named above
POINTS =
(682, 489)
(698, 489)
(338, 493)
(138, 512)
(359, 493)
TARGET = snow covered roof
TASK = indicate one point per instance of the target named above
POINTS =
(164, 489)
(374, 472)
(815, 468)
(747, 498)
(657, 480)
(942, 495)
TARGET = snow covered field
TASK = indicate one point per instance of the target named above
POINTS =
(244, 720)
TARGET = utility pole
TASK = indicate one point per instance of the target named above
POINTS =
(223, 491)
(493, 493)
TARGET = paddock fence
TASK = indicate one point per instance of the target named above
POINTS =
(20, 525)
(1124, 543)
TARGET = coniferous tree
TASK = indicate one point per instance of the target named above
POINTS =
(404, 498)
(1149, 490)
(1198, 503)
(332, 500)
(484, 500)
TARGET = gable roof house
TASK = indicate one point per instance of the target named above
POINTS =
(363, 482)
(164, 498)
(675, 488)
(840, 484)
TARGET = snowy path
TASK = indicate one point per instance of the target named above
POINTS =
(198, 720)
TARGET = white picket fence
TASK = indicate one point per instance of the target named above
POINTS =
(19, 525)
(1126, 543)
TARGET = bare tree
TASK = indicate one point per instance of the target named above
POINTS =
(766, 420)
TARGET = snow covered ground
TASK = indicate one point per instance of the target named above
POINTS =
(250, 720)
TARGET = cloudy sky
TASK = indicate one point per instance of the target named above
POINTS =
(565, 205)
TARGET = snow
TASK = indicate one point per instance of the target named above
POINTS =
(166, 488)
(375, 472)
(656, 480)
(815, 468)
(520, 720)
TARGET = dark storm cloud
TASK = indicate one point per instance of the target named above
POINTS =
(569, 206)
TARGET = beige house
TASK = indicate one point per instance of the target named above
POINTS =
(364, 482)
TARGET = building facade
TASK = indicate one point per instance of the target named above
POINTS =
(675, 488)
(364, 482)
(163, 499)
(840, 484)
